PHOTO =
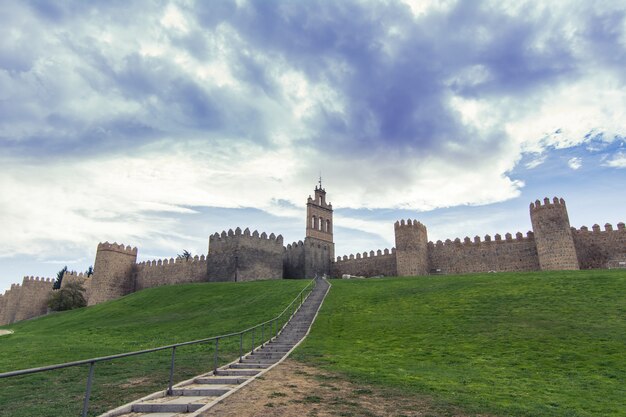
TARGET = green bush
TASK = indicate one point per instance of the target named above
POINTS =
(68, 298)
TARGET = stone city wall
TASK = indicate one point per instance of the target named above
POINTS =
(244, 256)
(170, 271)
(367, 265)
(293, 260)
(3, 302)
(596, 248)
(318, 255)
(77, 277)
(11, 299)
(467, 256)
(33, 298)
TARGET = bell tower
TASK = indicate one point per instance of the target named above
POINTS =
(318, 243)
(319, 216)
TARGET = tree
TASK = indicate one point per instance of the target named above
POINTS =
(185, 255)
(89, 271)
(69, 297)
(57, 283)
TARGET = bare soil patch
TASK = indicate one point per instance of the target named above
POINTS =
(5, 332)
(294, 389)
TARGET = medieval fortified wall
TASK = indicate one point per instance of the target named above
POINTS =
(244, 256)
(552, 245)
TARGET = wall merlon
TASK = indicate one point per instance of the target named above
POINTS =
(170, 261)
(239, 234)
(114, 247)
(546, 203)
(409, 223)
(29, 280)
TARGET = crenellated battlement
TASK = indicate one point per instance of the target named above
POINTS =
(477, 240)
(171, 261)
(114, 247)
(239, 255)
(596, 228)
(556, 203)
(366, 255)
(74, 274)
(29, 280)
(294, 245)
(408, 224)
(239, 234)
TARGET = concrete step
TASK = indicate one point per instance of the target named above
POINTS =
(265, 355)
(220, 380)
(237, 372)
(250, 365)
(171, 405)
(201, 390)
(270, 349)
(267, 361)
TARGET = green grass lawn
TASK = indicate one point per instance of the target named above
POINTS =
(510, 344)
(149, 318)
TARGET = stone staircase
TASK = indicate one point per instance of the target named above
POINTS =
(195, 396)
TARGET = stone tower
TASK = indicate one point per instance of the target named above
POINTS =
(411, 248)
(553, 236)
(112, 273)
(319, 249)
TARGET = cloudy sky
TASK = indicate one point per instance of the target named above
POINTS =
(156, 124)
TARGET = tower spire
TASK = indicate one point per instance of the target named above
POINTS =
(320, 182)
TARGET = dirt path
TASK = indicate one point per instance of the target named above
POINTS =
(293, 389)
(4, 332)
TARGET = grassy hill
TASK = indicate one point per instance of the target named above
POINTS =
(146, 319)
(525, 344)
(514, 344)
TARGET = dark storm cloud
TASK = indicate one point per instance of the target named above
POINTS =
(395, 73)
(400, 100)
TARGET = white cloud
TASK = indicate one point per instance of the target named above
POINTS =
(575, 163)
(562, 116)
(618, 161)
(534, 163)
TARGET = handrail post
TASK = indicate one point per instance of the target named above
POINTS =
(240, 346)
(169, 386)
(263, 334)
(215, 360)
(253, 331)
(88, 389)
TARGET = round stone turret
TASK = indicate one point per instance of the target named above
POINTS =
(553, 235)
(411, 248)
(112, 272)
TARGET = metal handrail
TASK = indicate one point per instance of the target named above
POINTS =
(273, 321)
